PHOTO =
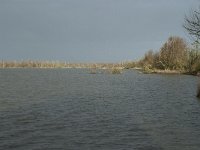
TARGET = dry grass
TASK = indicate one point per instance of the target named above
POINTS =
(56, 64)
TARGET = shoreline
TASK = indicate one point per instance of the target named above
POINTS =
(175, 72)
(150, 71)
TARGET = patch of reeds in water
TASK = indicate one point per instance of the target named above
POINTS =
(116, 70)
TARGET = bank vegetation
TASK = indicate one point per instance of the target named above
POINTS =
(175, 56)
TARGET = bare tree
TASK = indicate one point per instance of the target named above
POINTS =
(192, 24)
(173, 54)
(148, 58)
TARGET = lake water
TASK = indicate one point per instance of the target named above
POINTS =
(42, 109)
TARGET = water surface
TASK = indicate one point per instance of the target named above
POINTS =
(72, 109)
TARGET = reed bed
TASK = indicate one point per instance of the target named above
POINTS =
(57, 64)
(116, 70)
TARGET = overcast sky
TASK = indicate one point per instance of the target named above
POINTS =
(88, 30)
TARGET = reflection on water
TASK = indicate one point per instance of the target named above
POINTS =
(73, 109)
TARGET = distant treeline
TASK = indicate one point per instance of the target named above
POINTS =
(56, 64)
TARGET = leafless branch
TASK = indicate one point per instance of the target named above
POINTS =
(192, 24)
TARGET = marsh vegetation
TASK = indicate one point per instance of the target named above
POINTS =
(116, 71)
(56, 64)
